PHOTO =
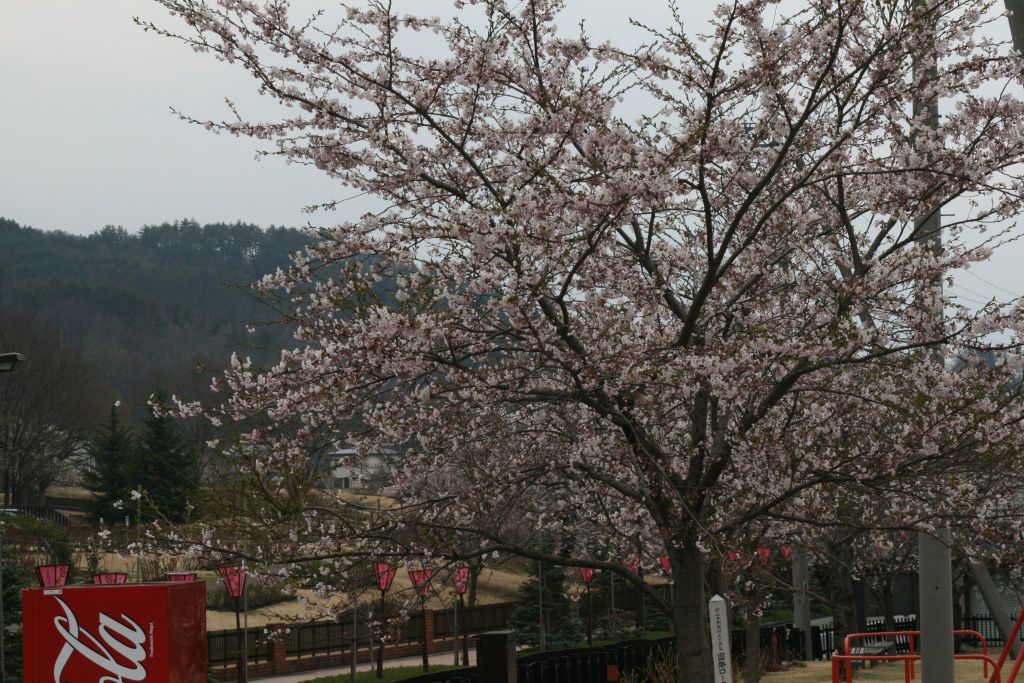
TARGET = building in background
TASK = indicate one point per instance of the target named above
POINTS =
(349, 470)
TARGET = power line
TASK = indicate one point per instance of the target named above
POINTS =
(971, 291)
(992, 284)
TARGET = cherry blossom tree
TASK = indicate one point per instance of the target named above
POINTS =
(646, 295)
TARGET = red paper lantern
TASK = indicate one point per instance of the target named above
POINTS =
(732, 555)
(765, 553)
(106, 578)
(52, 575)
(385, 574)
(421, 580)
(181, 576)
(666, 565)
(587, 574)
(787, 551)
(633, 565)
(234, 580)
(461, 579)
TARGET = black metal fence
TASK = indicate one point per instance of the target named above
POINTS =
(590, 665)
(472, 619)
(986, 626)
(324, 638)
(67, 503)
(223, 647)
(788, 641)
(823, 642)
(583, 665)
(43, 512)
(320, 638)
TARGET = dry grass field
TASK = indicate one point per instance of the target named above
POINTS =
(495, 586)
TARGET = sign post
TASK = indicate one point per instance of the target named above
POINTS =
(721, 646)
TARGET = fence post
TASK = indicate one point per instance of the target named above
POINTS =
(496, 656)
(428, 628)
(280, 648)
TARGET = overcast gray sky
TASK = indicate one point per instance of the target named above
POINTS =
(87, 137)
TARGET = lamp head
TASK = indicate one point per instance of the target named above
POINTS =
(9, 361)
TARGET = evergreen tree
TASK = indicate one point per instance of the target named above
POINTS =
(168, 469)
(561, 628)
(15, 577)
(111, 474)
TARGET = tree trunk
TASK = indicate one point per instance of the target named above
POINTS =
(474, 578)
(752, 659)
(888, 602)
(882, 590)
(860, 601)
(715, 584)
(840, 590)
(690, 616)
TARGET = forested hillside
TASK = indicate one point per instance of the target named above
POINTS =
(146, 307)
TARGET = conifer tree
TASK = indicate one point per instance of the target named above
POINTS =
(112, 471)
(15, 579)
(168, 469)
(545, 592)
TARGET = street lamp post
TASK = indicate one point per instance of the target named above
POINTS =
(460, 579)
(8, 361)
(385, 573)
(421, 581)
(587, 574)
(666, 567)
(636, 567)
(234, 581)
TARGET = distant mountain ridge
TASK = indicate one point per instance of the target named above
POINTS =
(146, 307)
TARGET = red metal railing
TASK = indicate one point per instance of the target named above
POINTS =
(1006, 650)
(907, 660)
(910, 658)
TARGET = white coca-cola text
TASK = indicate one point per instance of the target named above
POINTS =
(121, 653)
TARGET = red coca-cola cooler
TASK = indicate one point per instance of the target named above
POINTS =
(154, 632)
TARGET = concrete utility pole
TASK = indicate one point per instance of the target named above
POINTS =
(987, 587)
(1015, 9)
(936, 617)
(935, 572)
(801, 600)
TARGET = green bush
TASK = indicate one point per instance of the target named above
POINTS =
(16, 577)
(42, 538)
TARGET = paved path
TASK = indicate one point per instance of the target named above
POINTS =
(435, 658)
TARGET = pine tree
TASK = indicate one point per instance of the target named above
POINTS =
(15, 578)
(112, 472)
(561, 628)
(168, 469)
